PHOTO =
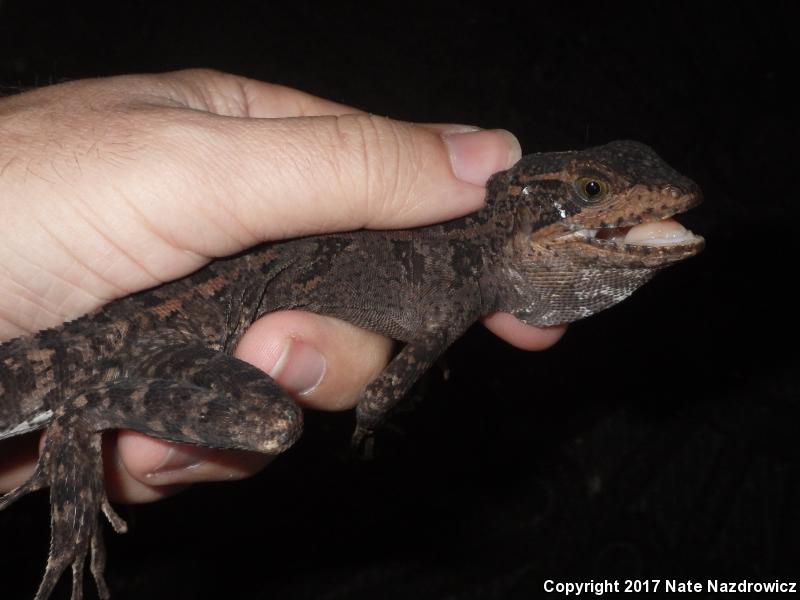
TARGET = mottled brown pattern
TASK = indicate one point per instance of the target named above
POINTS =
(160, 361)
(213, 286)
(164, 310)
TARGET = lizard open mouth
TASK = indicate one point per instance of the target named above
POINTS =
(663, 233)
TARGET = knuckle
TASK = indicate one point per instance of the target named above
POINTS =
(212, 90)
(382, 160)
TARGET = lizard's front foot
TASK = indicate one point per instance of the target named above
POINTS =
(71, 464)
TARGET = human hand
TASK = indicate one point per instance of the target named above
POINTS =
(115, 185)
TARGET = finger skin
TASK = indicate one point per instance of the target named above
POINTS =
(353, 356)
(520, 335)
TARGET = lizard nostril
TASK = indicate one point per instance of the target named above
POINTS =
(682, 187)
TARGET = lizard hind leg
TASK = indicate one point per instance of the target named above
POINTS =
(71, 464)
(197, 397)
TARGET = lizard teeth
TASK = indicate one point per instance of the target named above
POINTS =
(659, 233)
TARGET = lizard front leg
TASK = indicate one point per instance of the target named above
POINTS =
(443, 325)
(210, 399)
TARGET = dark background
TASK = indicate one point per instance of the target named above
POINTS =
(657, 440)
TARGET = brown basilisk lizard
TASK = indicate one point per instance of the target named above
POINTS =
(562, 236)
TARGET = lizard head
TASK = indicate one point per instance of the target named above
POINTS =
(587, 228)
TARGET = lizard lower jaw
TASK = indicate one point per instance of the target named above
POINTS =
(663, 233)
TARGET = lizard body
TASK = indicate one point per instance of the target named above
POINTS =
(562, 236)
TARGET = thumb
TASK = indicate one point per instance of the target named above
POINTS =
(114, 186)
(251, 180)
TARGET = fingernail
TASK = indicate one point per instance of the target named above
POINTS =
(300, 368)
(476, 155)
(180, 458)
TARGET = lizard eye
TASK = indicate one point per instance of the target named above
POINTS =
(591, 189)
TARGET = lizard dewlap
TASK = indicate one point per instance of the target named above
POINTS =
(562, 236)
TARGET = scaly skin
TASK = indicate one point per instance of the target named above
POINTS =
(160, 362)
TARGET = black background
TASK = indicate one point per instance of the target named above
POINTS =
(657, 440)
